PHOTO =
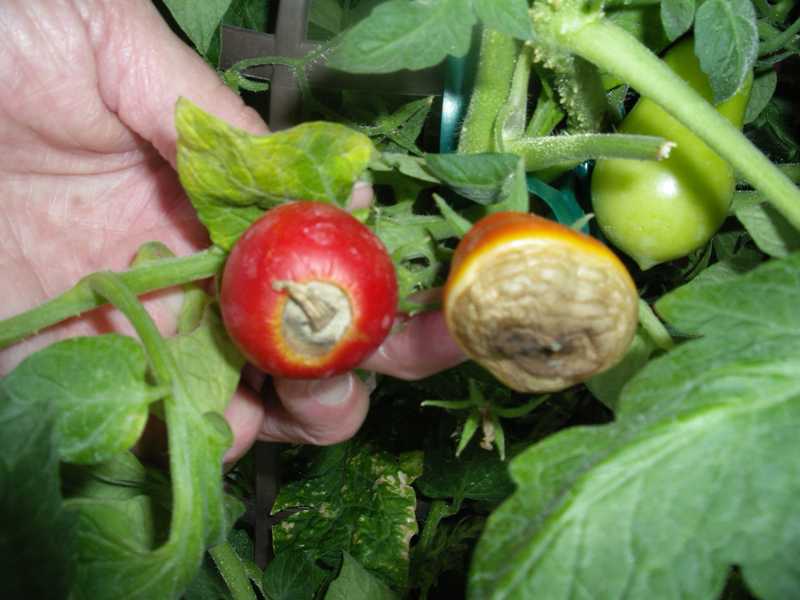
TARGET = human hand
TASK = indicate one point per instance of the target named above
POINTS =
(88, 146)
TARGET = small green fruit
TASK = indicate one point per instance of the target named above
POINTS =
(656, 211)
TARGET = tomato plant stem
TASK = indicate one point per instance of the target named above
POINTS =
(546, 115)
(781, 10)
(510, 123)
(498, 54)
(551, 150)
(233, 572)
(111, 287)
(440, 509)
(654, 327)
(81, 298)
(780, 40)
(615, 50)
(186, 538)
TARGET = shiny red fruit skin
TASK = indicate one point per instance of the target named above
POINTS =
(307, 241)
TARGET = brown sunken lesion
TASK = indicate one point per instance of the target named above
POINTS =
(566, 354)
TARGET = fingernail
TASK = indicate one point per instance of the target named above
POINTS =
(333, 391)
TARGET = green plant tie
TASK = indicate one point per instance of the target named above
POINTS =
(452, 103)
(562, 203)
(458, 75)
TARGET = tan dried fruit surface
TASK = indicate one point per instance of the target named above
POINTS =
(541, 316)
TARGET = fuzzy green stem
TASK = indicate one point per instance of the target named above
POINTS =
(763, 7)
(439, 510)
(495, 70)
(615, 50)
(546, 116)
(260, 61)
(114, 289)
(654, 327)
(424, 549)
(582, 93)
(779, 41)
(81, 298)
(185, 536)
(233, 572)
(195, 298)
(510, 123)
(552, 150)
(791, 170)
(448, 404)
(781, 10)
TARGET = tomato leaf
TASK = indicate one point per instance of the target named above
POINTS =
(120, 478)
(249, 14)
(459, 224)
(354, 581)
(38, 534)
(450, 550)
(119, 531)
(764, 86)
(98, 389)
(770, 230)
(701, 469)
(761, 300)
(325, 19)
(121, 551)
(506, 16)
(231, 176)
(405, 35)
(726, 42)
(677, 17)
(210, 362)
(395, 131)
(199, 20)
(607, 386)
(356, 499)
(643, 21)
(291, 575)
(476, 474)
(209, 583)
(411, 240)
(483, 178)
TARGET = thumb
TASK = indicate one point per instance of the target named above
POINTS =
(143, 68)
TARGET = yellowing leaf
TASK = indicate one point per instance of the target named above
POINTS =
(232, 176)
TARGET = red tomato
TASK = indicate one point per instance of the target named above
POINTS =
(308, 291)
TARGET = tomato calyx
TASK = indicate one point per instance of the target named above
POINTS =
(315, 317)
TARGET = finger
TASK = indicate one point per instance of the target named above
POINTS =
(318, 411)
(245, 415)
(420, 347)
(360, 197)
(143, 68)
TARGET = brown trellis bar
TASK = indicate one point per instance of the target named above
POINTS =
(285, 102)
(290, 40)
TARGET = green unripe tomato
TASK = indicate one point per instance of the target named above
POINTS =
(656, 211)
